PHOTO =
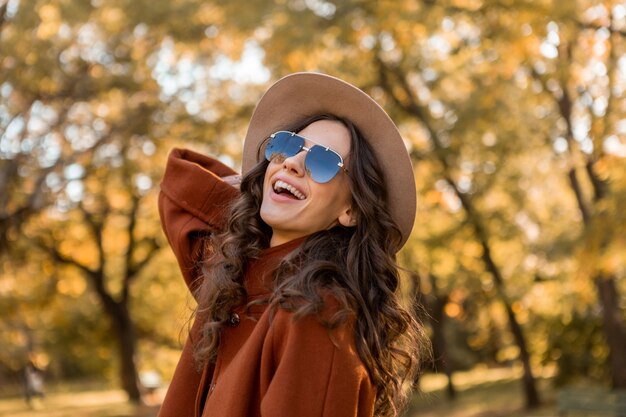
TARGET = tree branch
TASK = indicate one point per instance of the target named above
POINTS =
(411, 106)
(139, 265)
(593, 26)
(3, 14)
(96, 226)
(564, 106)
(129, 271)
(64, 259)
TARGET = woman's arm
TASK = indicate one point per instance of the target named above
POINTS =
(193, 204)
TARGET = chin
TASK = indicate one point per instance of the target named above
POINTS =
(268, 217)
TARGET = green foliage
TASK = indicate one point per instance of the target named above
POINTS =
(578, 347)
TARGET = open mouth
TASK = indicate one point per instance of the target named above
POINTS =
(281, 187)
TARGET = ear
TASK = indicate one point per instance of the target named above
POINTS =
(347, 218)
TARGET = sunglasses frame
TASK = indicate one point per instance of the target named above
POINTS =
(340, 164)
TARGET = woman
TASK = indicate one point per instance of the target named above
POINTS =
(294, 269)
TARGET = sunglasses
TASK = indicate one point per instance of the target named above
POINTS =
(321, 162)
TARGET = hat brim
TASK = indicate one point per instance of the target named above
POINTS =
(300, 95)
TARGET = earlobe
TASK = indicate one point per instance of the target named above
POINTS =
(347, 218)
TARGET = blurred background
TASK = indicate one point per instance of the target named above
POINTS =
(514, 113)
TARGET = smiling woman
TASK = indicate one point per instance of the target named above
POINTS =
(294, 269)
(308, 206)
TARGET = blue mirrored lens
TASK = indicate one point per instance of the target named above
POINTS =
(322, 164)
(283, 145)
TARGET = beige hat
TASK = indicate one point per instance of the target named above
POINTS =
(305, 94)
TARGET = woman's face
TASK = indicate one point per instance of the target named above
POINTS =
(293, 204)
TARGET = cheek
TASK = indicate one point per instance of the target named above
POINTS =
(266, 177)
(341, 197)
(345, 191)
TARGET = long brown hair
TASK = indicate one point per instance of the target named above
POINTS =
(356, 265)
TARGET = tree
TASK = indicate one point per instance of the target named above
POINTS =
(94, 94)
(111, 212)
(512, 112)
(586, 101)
(34, 113)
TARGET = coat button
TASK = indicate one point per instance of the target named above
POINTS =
(234, 320)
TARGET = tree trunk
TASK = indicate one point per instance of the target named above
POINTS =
(127, 341)
(613, 329)
(532, 395)
(127, 344)
(530, 388)
(440, 352)
(613, 323)
(411, 106)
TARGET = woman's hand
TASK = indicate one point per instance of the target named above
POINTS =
(232, 180)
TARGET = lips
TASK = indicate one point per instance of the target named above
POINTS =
(281, 187)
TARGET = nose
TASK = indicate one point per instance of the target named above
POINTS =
(295, 164)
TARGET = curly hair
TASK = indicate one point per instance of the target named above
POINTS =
(355, 265)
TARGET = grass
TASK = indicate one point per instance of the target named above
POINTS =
(481, 393)
(90, 403)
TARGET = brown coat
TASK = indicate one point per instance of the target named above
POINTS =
(271, 368)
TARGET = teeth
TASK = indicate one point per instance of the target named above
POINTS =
(281, 185)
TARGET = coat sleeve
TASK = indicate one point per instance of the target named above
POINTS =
(193, 203)
(315, 375)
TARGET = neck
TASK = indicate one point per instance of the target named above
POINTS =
(278, 240)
